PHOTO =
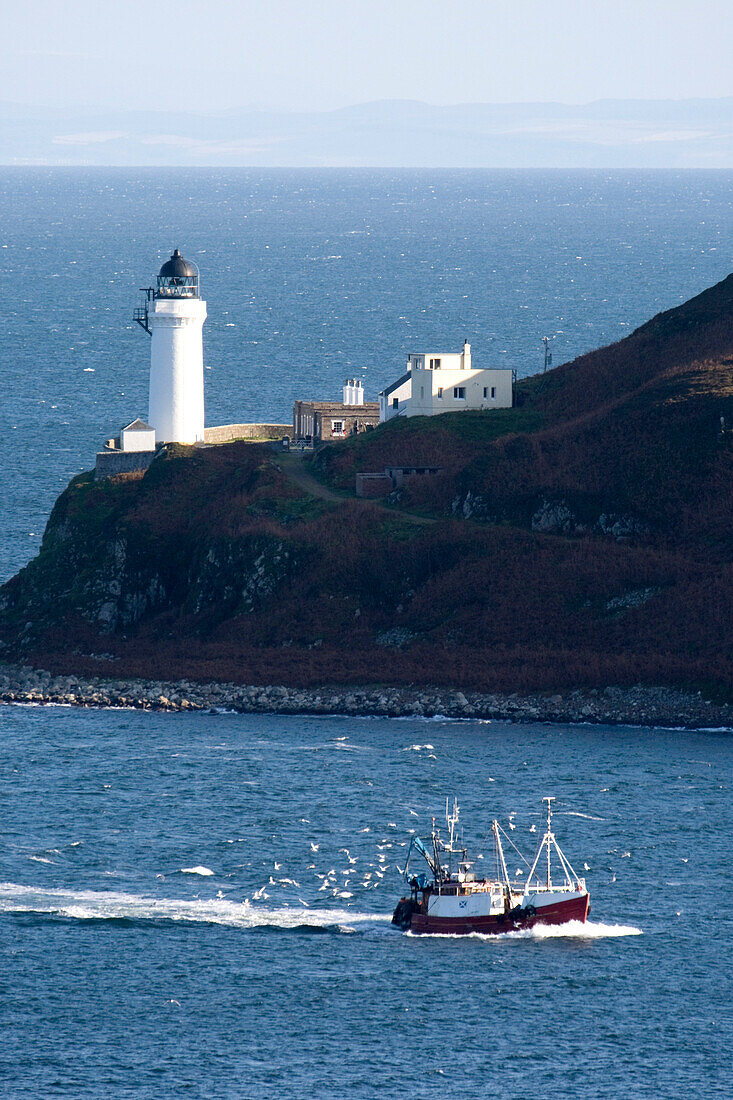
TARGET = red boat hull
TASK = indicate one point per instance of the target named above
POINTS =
(574, 909)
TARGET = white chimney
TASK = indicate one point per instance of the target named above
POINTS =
(353, 391)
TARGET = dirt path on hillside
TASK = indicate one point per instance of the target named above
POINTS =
(292, 466)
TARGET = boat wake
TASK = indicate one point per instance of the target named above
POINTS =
(571, 930)
(97, 905)
(578, 930)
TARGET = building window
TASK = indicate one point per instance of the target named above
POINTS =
(486, 392)
(337, 427)
(395, 402)
(440, 391)
(459, 392)
(435, 364)
(493, 392)
(422, 392)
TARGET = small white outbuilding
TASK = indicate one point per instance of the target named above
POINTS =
(137, 436)
(438, 382)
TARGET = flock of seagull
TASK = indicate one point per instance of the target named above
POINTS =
(339, 883)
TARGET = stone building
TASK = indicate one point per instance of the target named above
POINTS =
(324, 421)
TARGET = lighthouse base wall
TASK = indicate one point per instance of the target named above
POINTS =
(228, 433)
(110, 463)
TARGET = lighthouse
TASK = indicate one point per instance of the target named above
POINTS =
(174, 315)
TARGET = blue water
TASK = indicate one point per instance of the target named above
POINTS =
(312, 276)
(128, 970)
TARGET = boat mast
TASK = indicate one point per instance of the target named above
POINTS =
(547, 841)
(500, 854)
(451, 821)
(549, 838)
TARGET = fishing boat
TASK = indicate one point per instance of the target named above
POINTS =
(453, 899)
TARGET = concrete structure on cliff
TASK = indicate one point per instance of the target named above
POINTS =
(438, 382)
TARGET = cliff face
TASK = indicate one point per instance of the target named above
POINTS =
(577, 540)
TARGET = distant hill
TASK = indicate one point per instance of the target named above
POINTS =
(605, 134)
(581, 539)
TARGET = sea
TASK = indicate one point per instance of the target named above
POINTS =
(199, 904)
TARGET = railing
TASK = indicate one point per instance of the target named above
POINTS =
(189, 291)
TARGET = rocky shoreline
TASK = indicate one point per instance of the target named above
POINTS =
(643, 706)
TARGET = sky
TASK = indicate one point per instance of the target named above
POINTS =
(320, 55)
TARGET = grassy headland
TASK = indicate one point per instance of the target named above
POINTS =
(581, 539)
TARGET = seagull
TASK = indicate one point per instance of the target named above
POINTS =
(533, 828)
(172, 1002)
(414, 814)
(586, 867)
(278, 866)
(259, 893)
(314, 847)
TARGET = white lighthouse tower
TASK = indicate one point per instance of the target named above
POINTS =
(174, 315)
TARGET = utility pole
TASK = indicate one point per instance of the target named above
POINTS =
(548, 353)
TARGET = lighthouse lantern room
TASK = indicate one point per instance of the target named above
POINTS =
(174, 315)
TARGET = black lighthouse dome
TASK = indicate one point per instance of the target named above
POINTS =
(178, 278)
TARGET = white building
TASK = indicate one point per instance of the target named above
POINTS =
(174, 315)
(437, 382)
(137, 436)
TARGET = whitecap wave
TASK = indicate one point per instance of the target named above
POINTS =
(198, 870)
(102, 905)
(576, 813)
